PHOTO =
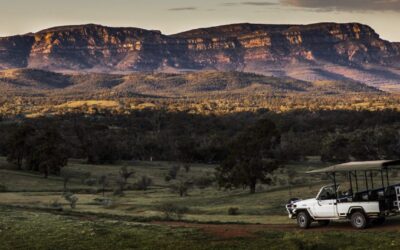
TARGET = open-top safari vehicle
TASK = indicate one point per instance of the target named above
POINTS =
(371, 204)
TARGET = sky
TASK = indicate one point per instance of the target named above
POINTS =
(173, 16)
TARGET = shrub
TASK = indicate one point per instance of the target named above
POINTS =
(186, 166)
(282, 182)
(233, 211)
(172, 173)
(56, 205)
(144, 183)
(171, 210)
(118, 192)
(91, 182)
(72, 199)
(204, 182)
(106, 202)
(84, 176)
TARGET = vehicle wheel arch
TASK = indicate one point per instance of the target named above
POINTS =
(355, 209)
(307, 210)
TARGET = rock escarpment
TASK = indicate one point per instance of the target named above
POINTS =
(322, 50)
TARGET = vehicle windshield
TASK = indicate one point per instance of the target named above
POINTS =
(327, 193)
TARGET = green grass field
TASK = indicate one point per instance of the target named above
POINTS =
(209, 204)
(27, 220)
(36, 230)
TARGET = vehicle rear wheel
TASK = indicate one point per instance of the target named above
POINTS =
(303, 220)
(323, 223)
(359, 220)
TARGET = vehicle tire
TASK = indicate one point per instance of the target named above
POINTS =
(323, 223)
(379, 221)
(359, 220)
(303, 220)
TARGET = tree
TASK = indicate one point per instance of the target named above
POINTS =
(48, 153)
(18, 143)
(144, 183)
(336, 149)
(181, 183)
(66, 178)
(252, 157)
(104, 182)
(181, 186)
(124, 175)
(364, 145)
(291, 174)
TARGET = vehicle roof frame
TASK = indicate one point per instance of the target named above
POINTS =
(358, 166)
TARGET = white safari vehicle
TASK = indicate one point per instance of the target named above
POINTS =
(362, 207)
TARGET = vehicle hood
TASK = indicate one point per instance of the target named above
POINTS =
(300, 203)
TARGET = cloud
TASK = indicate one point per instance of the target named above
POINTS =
(229, 4)
(252, 3)
(258, 3)
(183, 9)
(345, 5)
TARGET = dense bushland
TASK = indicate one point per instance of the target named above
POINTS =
(179, 136)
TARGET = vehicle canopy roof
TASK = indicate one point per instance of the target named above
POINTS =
(357, 166)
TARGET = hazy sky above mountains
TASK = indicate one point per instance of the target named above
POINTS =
(172, 16)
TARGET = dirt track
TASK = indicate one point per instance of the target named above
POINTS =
(237, 230)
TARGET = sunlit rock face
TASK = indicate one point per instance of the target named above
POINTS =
(270, 49)
(248, 43)
(93, 46)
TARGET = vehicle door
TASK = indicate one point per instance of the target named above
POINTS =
(325, 207)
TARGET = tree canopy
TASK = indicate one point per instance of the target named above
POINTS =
(253, 155)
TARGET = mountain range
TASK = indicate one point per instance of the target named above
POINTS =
(348, 52)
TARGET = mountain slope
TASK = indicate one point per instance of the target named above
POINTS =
(324, 51)
(28, 81)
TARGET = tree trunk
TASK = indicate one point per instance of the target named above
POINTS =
(19, 163)
(253, 187)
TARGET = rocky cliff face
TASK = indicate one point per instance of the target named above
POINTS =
(248, 45)
(269, 49)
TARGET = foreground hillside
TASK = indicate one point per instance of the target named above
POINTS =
(323, 51)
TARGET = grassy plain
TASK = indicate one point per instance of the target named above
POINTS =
(36, 230)
(209, 204)
(28, 222)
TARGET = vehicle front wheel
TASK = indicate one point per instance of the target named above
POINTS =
(323, 223)
(303, 220)
(359, 220)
